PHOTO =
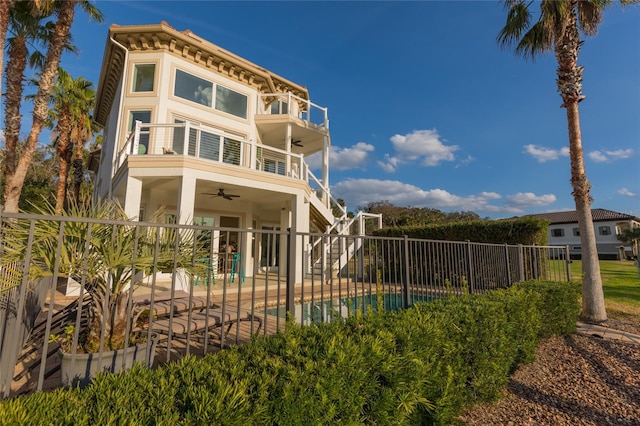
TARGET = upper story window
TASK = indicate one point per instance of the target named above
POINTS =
(557, 232)
(231, 102)
(576, 232)
(143, 77)
(279, 107)
(145, 117)
(192, 88)
(604, 230)
(199, 90)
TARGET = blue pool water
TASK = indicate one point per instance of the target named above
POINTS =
(327, 310)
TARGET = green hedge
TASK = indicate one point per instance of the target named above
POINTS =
(418, 366)
(527, 231)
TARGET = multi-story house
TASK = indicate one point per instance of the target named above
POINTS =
(563, 230)
(210, 136)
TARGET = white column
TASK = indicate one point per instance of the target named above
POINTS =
(287, 147)
(132, 197)
(299, 221)
(186, 199)
(325, 171)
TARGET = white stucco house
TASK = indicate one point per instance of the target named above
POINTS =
(211, 136)
(608, 224)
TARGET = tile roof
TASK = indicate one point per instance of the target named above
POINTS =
(598, 215)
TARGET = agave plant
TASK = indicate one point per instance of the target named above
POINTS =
(105, 251)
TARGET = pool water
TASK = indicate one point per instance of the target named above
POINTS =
(327, 310)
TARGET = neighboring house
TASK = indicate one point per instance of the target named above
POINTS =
(212, 137)
(563, 230)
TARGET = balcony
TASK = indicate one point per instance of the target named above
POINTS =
(155, 141)
(309, 122)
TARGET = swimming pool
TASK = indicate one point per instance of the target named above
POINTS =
(327, 310)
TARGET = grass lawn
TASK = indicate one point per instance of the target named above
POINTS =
(621, 286)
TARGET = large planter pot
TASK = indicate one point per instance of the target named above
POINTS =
(79, 370)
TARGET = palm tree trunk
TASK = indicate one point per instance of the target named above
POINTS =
(13, 98)
(58, 41)
(5, 6)
(570, 88)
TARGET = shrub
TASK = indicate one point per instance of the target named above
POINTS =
(418, 366)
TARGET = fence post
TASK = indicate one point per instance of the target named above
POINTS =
(507, 264)
(520, 262)
(469, 268)
(567, 262)
(405, 272)
(289, 302)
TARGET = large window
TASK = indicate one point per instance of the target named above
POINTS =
(145, 117)
(143, 77)
(193, 88)
(557, 232)
(199, 90)
(206, 144)
(231, 102)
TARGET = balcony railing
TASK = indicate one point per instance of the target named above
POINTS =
(289, 104)
(185, 139)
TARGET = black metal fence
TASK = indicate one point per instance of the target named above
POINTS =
(197, 289)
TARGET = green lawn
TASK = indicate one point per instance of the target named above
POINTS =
(621, 285)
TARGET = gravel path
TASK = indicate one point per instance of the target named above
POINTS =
(575, 380)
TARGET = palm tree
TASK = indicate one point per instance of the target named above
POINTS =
(57, 35)
(71, 100)
(558, 29)
(5, 6)
(82, 130)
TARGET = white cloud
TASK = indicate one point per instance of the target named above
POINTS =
(625, 191)
(424, 146)
(543, 154)
(619, 154)
(529, 199)
(2, 139)
(360, 192)
(343, 158)
(466, 161)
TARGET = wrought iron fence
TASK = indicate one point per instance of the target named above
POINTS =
(200, 288)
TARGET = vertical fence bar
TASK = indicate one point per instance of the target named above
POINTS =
(469, 268)
(290, 280)
(405, 275)
(567, 262)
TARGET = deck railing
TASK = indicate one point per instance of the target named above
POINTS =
(290, 104)
(251, 290)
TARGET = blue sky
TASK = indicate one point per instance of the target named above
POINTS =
(425, 108)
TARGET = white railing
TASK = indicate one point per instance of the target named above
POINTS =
(186, 139)
(289, 104)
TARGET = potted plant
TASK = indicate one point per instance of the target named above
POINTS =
(109, 255)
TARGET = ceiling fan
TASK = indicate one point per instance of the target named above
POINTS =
(223, 195)
(297, 143)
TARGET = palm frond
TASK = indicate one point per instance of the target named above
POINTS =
(590, 15)
(518, 22)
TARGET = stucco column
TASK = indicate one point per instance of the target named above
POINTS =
(132, 197)
(297, 218)
(325, 171)
(186, 198)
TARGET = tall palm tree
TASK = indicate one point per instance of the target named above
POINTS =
(5, 6)
(71, 100)
(82, 130)
(558, 29)
(56, 40)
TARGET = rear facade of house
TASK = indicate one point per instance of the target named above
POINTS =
(212, 138)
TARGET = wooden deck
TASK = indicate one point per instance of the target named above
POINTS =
(258, 296)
